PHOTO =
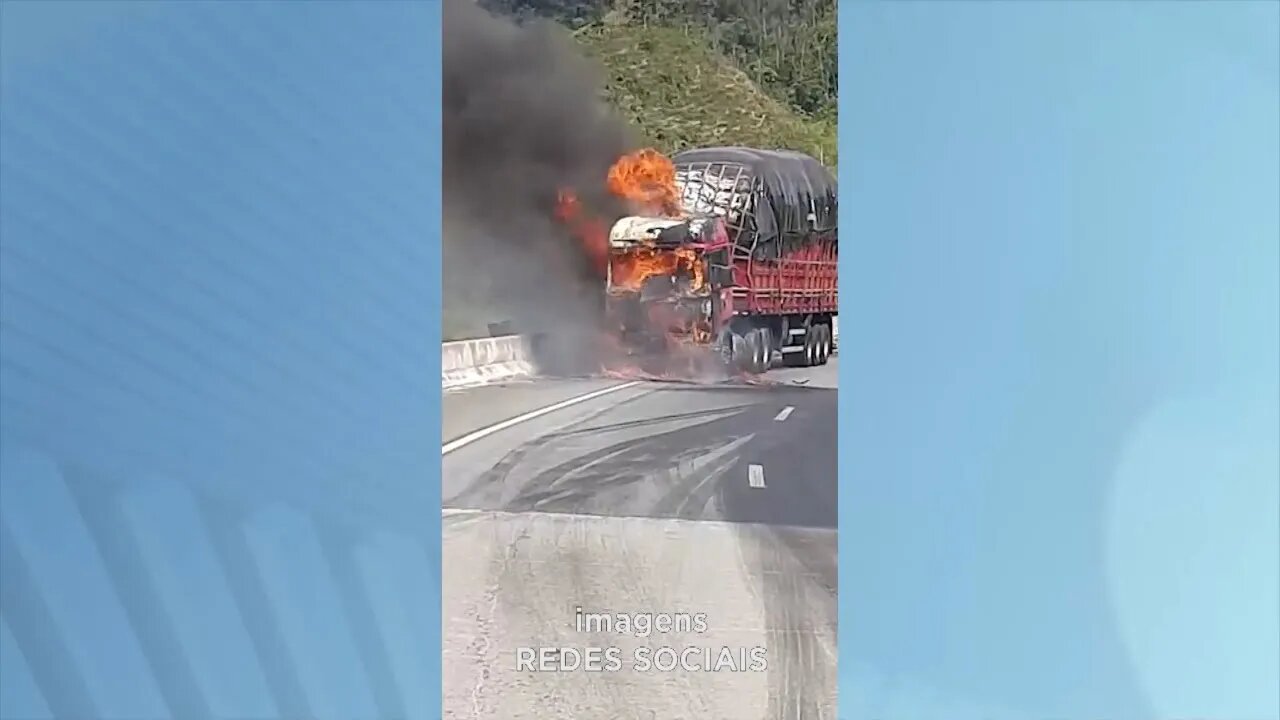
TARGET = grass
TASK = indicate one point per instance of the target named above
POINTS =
(681, 93)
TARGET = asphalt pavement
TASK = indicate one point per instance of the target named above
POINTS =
(643, 498)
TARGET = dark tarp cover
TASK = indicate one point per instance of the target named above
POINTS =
(793, 184)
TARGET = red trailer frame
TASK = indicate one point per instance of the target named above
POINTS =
(803, 282)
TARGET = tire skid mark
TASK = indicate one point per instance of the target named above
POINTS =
(697, 471)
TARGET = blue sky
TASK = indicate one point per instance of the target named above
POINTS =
(1059, 389)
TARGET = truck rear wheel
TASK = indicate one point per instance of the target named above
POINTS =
(746, 352)
(756, 351)
(812, 344)
(823, 343)
(765, 339)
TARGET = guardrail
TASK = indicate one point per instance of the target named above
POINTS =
(464, 363)
(476, 362)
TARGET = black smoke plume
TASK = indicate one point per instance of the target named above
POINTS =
(522, 118)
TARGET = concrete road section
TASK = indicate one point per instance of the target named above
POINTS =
(699, 520)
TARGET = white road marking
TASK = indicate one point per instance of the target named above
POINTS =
(786, 412)
(755, 476)
(498, 427)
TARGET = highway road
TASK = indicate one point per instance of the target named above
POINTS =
(609, 496)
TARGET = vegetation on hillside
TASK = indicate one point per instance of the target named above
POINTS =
(680, 93)
(711, 72)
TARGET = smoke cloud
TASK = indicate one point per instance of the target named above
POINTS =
(522, 119)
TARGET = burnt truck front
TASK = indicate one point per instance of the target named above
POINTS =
(667, 284)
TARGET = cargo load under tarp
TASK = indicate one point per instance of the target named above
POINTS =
(773, 201)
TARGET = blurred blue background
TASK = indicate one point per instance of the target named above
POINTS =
(1059, 432)
(219, 324)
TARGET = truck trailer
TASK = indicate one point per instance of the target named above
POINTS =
(748, 270)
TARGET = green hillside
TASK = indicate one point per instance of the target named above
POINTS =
(681, 93)
(760, 73)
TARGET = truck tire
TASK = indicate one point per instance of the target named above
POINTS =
(747, 352)
(756, 340)
(765, 338)
(812, 343)
(823, 343)
(729, 350)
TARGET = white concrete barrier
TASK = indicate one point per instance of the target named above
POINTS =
(465, 363)
(485, 360)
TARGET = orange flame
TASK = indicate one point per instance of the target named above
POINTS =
(647, 180)
(590, 231)
(630, 269)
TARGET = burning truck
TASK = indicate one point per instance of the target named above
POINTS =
(728, 260)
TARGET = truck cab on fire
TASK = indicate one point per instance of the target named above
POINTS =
(747, 270)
